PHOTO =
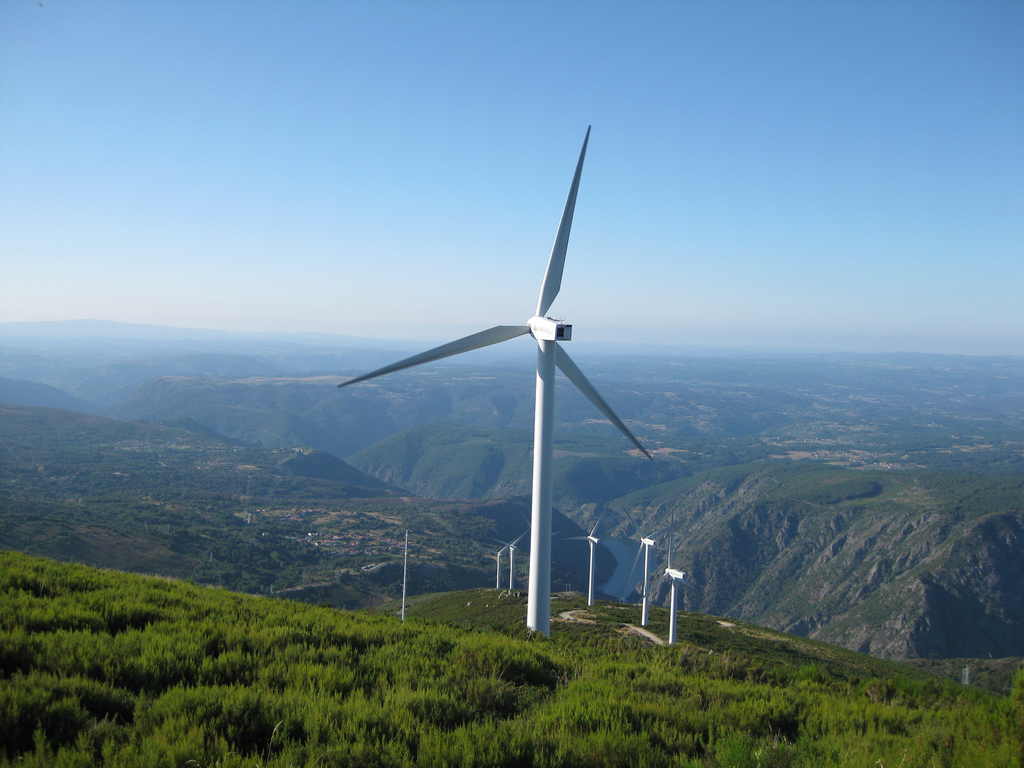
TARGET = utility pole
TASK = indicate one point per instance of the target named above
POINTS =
(405, 572)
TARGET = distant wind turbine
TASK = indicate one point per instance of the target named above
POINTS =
(593, 541)
(497, 574)
(678, 578)
(512, 562)
(646, 543)
(511, 547)
(405, 572)
(547, 332)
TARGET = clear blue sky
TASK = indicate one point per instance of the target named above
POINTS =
(831, 175)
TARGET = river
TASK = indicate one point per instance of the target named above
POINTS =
(625, 553)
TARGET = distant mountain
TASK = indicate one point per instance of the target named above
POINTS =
(872, 501)
(19, 392)
(78, 442)
(448, 461)
(272, 411)
(151, 497)
(107, 329)
(177, 499)
(323, 466)
(896, 564)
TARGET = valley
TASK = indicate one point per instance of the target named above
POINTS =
(873, 502)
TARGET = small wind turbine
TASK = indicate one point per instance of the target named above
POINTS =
(405, 572)
(678, 578)
(497, 560)
(593, 541)
(547, 332)
(511, 547)
(512, 562)
(646, 542)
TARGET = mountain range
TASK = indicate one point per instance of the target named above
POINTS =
(873, 502)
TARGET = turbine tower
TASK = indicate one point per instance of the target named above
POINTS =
(512, 562)
(547, 332)
(646, 543)
(678, 578)
(497, 574)
(593, 541)
(405, 572)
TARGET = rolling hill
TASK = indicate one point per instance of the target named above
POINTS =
(870, 500)
(179, 500)
(103, 668)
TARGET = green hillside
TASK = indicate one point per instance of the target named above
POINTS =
(898, 563)
(748, 646)
(103, 668)
(179, 500)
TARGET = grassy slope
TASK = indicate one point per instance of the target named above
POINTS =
(746, 645)
(106, 668)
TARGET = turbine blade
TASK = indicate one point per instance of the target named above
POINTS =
(631, 520)
(633, 568)
(553, 274)
(594, 529)
(575, 375)
(493, 335)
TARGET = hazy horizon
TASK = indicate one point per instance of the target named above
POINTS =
(26, 332)
(798, 176)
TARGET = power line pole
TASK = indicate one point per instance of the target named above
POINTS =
(405, 572)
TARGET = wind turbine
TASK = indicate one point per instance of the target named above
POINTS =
(547, 332)
(593, 540)
(646, 542)
(497, 560)
(512, 562)
(511, 547)
(405, 571)
(677, 577)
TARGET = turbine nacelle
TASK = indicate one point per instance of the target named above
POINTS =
(675, 575)
(549, 329)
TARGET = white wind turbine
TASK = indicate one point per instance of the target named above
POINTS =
(497, 560)
(646, 542)
(593, 541)
(678, 578)
(512, 562)
(511, 547)
(547, 332)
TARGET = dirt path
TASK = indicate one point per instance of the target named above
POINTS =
(571, 616)
(646, 634)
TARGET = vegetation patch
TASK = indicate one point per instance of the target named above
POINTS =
(103, 668)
